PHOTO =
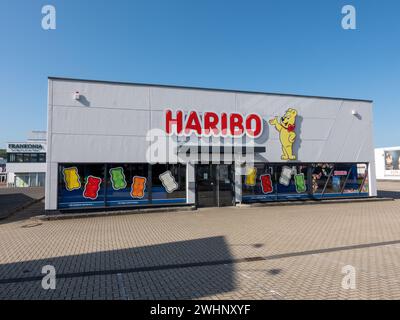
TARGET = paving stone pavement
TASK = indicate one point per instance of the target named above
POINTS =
(288, 252)
(13, 198)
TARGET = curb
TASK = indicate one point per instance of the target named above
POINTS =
(111, 213)
(22, 207)
(310, 202)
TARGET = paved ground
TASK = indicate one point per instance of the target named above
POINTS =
(289, 252)
(13, 198)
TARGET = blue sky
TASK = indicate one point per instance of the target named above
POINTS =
(288, 46)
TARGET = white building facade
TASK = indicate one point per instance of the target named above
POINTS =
(126, 145)
(26, 161)
(387, 161)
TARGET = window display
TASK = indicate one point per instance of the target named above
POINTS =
(81, 185)
(168, 183)
(339, 180)
(292, 182)
(392, 163)
(118, 185)
(126, 184)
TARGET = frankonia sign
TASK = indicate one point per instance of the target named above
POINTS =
(21, 147)
(213, 124)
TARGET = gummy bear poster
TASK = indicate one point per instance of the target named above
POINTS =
(138, 187)
(71, 178)
(92, 187)
(117, 178)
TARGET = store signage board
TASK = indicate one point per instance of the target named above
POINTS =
(208, 124)
(26, 147)
(233, 125)
(392, 162)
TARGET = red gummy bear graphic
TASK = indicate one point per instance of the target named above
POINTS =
(92, 188)
(266, 183)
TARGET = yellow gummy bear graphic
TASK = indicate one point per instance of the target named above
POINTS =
(251, 175)
(71, 178)
(286, 127)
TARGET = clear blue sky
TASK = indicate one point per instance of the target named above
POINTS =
(288, 46)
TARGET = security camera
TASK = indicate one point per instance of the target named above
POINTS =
(77, 95)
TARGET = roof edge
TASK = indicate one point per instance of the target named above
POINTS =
(207, 89)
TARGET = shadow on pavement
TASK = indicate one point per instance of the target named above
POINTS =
(10, 202)
(12, 199)
(162, 271)
(33, 210)
(389, 194)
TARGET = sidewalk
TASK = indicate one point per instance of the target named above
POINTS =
(14, 199)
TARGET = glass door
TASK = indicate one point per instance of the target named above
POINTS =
(214, 185)
(225, 195)
(206, 185)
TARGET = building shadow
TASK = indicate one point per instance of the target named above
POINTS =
(177, 270)
(10, 202)
(298, 141)
(388, 194)
(83, 100)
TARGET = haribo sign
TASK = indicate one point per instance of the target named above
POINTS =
(213, 124)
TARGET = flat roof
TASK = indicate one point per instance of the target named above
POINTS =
(388, 148)
(208, 89)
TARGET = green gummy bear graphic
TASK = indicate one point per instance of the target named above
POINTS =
(118, 178)
(300, 183)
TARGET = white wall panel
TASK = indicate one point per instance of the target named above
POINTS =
(92, 148)
(190, 99)
(100, 95)
(88, 120)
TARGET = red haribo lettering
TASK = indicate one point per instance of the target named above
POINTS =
(193, 124)
(174, 125)
(233, 124)
(224, 124)
(236, 124)
(210, 123)
(256, 132)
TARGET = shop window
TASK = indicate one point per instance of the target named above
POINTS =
(168, 183)
(34, 157)
(26, 157)
(357, 180)
(12, 157)
(292, 181)
(321, 178)
(253, 184)
(81, 185)
(127, 184)
(19, 157)
(342, 179)
(41, 179)
(41, 157)
(362, 178)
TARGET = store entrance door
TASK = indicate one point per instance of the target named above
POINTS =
(215, 185)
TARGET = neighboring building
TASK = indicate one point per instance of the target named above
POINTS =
(387, 161)
(122, 145)
(3, 174)
(26, 161)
